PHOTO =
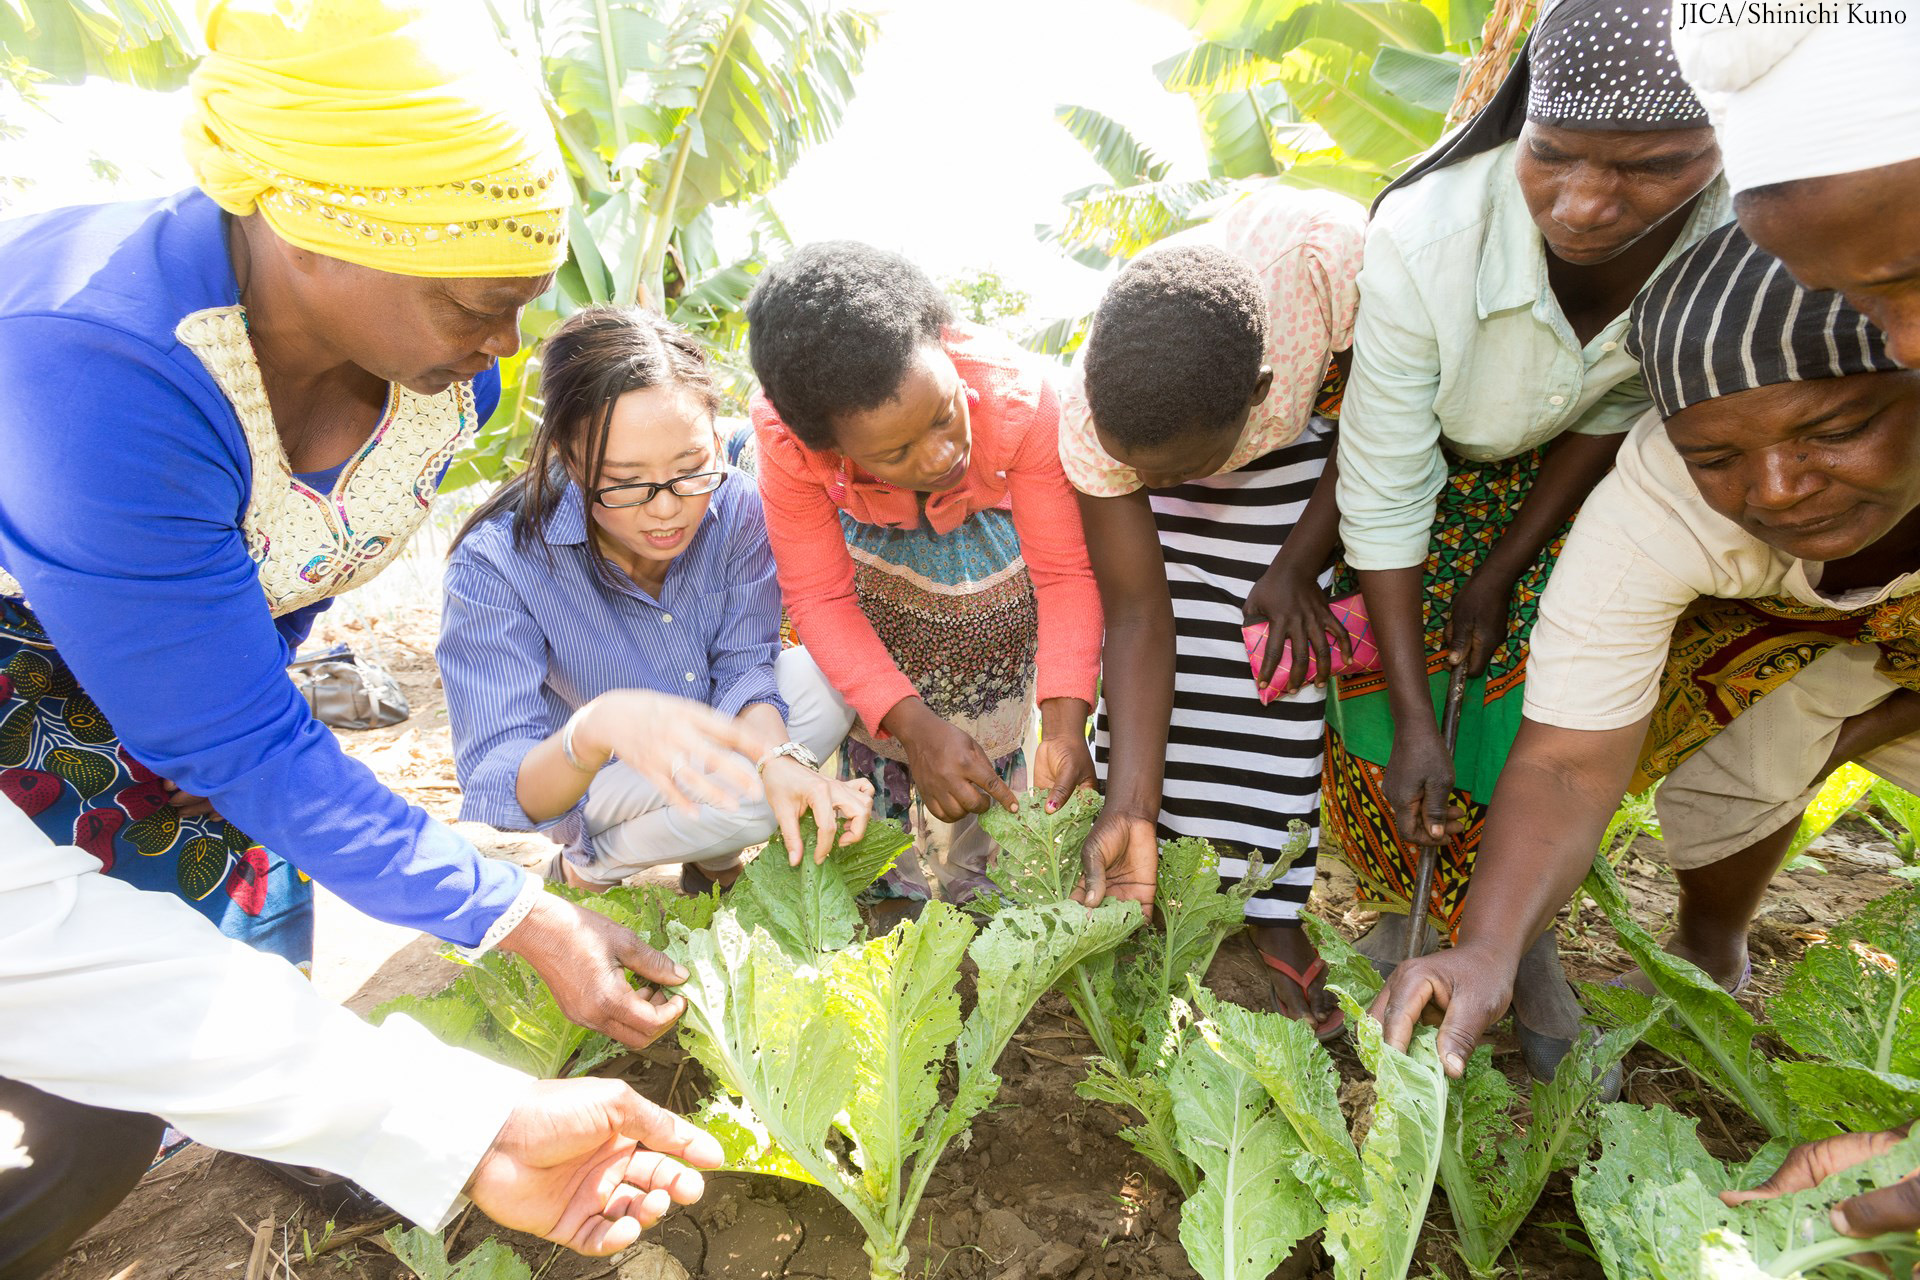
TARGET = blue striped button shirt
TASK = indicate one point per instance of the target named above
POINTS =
(528, 635)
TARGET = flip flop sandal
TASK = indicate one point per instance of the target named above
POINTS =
(1322, 1031)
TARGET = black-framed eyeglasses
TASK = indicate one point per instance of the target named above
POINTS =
(639, 494)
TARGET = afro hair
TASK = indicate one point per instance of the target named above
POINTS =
(1176, 347)
(832, 330)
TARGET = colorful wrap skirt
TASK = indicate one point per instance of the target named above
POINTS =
(1726, 655)
(958, 614)
(1476, 507)
(64, 766)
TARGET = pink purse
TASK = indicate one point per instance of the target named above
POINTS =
(1351, 611)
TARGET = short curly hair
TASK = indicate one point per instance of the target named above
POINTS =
(1176, 347)
(832, 330)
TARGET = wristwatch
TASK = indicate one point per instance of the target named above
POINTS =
(792, 751)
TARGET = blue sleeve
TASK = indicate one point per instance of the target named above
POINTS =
(120, 506)
(493, 666)
(741, 656)
(486, 393)
(295, 627)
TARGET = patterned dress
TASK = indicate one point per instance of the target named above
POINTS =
(1476, 507)
(61, 760)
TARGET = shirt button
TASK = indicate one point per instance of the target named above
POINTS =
(1608, 346)
(689, 677)
(666, 617)
(1556, 401)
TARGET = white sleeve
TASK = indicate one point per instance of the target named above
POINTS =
(1599, 647)
(123, 998)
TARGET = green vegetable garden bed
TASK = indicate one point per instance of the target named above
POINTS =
(944, 1081)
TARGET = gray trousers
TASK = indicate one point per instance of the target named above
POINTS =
(632, 827)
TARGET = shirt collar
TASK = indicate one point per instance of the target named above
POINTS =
(567, 522)
(1513, 257)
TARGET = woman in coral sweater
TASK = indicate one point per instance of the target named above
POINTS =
(928, 544)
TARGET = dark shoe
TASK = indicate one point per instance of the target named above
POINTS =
(340, 1199)
(1543, 1055)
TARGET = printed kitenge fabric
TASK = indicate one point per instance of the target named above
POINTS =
(63, 765)
(1476, 507)
(1238, 774)
(958, 614)
(1728, 654)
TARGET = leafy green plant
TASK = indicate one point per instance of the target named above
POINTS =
(1650, 1203)
(831, 1052)
(1847, 1017)
(1705, 1029)
(1123, 997)
(1902, 808)
(498, 1006)
(1374, 1195)
(1838, 794)
(1634, 818)
(667, 111)
(1334, 94)
(1850, 1008)
(1494, 1169)
(424, 1255)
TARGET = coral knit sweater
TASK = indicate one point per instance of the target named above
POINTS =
(1014, 466)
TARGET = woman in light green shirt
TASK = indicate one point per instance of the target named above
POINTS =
(1489, 390)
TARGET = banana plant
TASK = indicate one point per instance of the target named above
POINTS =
(1336, 94)
(150, 44)
(669, 111)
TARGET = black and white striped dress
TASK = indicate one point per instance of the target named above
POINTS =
(1237, 772)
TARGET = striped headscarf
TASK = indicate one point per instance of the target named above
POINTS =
(1725, 317)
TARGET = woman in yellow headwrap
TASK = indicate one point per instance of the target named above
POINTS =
(223, 408)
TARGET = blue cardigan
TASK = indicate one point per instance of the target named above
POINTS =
(124, 481)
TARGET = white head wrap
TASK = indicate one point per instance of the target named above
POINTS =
(1793, 100)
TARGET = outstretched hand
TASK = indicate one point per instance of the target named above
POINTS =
(1871, 1213)
(590, 1164)
(1470, 989)
(1121, 859)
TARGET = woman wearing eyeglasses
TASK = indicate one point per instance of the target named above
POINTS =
(627, 564)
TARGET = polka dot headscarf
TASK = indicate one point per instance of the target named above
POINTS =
(1587, 64)
(1608, 64)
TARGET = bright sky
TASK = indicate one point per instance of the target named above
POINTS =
(949, 152)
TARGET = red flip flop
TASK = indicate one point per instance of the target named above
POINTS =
(1326, 1030)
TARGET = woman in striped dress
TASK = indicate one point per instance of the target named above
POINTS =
(1199, 432)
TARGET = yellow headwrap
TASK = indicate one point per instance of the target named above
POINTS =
(397, 134)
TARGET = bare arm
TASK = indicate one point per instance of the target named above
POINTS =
(1419, 771)
(1120, 856)
(1558, 790)
(1477, 625)
(1124, 546)
(1288, 596)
